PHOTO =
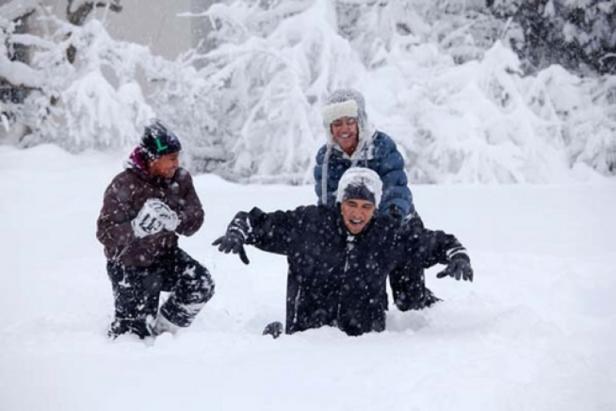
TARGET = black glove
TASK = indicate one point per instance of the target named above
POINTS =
(459, 267)
(233, 240)
(274, 329)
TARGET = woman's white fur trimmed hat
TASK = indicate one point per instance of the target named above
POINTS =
(334, 111)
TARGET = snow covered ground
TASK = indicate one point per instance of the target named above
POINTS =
(535, 331)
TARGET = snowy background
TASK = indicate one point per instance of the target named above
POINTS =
(472, 101)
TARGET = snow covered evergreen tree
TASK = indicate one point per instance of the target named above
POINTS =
(438, 76)
(579, 35)
(82, 91)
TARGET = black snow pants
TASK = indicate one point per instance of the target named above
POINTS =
(408, 284)
(136, 292)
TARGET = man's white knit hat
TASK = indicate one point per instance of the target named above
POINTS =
(360, 183)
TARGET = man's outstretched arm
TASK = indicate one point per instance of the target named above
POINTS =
(437, 247)
(273, 232)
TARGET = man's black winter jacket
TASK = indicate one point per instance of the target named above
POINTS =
(336, 278)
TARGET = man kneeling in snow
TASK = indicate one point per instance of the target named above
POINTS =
(339, 257)
(144, 209)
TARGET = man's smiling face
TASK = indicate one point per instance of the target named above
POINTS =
(356, 214)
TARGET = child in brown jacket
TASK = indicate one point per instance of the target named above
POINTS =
(144, 209)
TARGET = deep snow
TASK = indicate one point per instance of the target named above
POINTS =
(535, 331)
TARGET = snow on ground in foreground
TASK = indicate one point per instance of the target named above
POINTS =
(535, 331)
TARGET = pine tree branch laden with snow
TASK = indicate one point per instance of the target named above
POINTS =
(578, 35)
(77, 11)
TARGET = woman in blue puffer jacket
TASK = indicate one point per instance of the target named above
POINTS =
(353, 141)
